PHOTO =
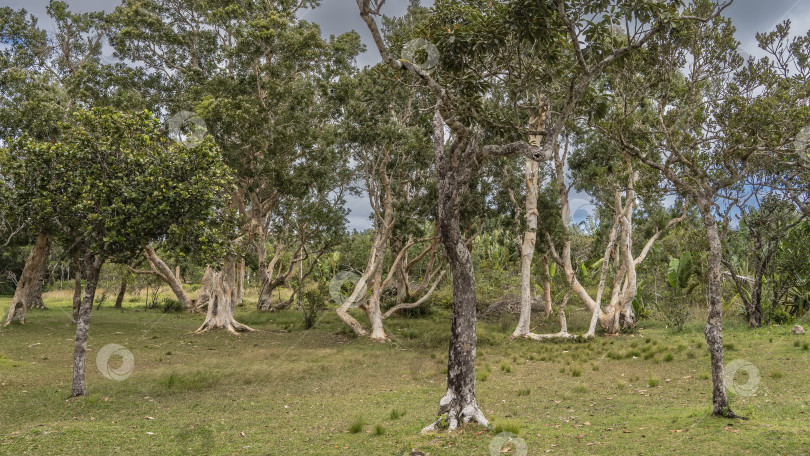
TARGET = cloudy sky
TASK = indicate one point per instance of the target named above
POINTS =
(340, 16)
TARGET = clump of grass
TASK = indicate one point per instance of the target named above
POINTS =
(379, 430)
(729, 347)
(691, 355)
(776, 374)
(576, 372)
(483, 376)
(595, 367)
(396, 414)
(805, 346)
(524, 392)
(703, 376)
(579, 389)
(614, 355)
(649, 355)
(632, 354)
(797, 344)
(621, 385)
(507, 426)
(653, 382)
(357, 424)
(668, 357)
(562, 370)
(506, 367)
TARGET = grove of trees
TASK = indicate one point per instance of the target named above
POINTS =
(220, 144)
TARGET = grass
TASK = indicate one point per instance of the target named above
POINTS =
(283, 390)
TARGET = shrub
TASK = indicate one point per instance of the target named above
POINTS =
(170, 305)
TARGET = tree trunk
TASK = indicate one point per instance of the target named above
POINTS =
(163, 271)
(459, 404)
(527, 249)
(93, 265)
(35, 299)
(714, 321)
(546, 286)
(220, 302)
(77, 286)
(28, 280)
(754, 309)
(240, 282)
(119, 300)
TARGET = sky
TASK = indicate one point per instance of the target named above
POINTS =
(340, 16)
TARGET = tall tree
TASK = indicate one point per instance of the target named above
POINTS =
(113, 183)
(704, 126)
(267, 87)
(474, 54)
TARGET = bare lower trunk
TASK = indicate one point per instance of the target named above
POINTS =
(755, 310)
(29, 279)
(35, 299)
(220, 302)
(77, 286)
(119, 300)
(459, 403)
(162, 270)
(546, 286)
(206, 284)
(714, 322)
(527, 249)
(93, 265)
(240, 282)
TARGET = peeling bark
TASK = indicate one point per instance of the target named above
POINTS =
(122, 291)
(77, 286)
(221, 303)
(93, 265)
(714, 320)
(29, 279)
(161, 270)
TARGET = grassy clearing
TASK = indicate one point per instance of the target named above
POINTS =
(284, 390)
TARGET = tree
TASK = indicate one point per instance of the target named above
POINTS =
(474, 55)
(765, 225)
(44, 77)
(391, 144)
(112, 184)
(268, 88)
(704, 128)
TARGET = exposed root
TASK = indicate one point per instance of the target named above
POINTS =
(727, 413)
(234, 327)
(452, 414)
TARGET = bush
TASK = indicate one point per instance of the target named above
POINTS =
(314, 302)
(170, 305)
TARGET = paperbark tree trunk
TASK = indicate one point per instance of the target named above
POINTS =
(162, 270)
(527, 249)
(714, 320)
(459, 403)
(532, 168)
(122, 291)
(240, 282)
(77, 285)
(93, 265)
(35, 300)
(221, 303)
(28, 280)
(546, 286)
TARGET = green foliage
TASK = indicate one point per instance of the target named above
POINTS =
(314, 302)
